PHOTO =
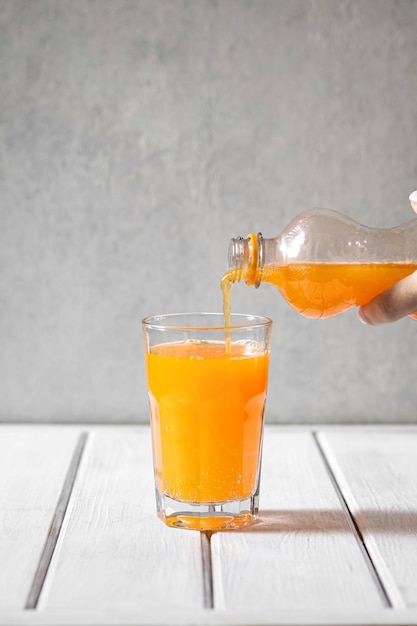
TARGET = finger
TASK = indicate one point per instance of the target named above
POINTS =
(413, 200)
(397, 302)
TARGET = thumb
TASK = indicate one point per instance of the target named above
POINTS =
(397, 302)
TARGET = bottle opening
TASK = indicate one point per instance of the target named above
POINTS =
(245, 259)
(261, 259)
(236, 257)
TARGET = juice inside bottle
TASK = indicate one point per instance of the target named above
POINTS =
(324, 290)
(321, 290)
(206, 414)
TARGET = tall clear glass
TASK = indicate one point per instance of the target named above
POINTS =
(207, 387)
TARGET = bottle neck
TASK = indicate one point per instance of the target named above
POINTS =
(246, 259)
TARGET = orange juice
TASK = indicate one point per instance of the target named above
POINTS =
(207, 410)
(320, 290)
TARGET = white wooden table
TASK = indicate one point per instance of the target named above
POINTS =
(80, 543)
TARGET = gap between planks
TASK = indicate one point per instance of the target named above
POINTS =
(56, 525)
(205, 542)
(354, 527)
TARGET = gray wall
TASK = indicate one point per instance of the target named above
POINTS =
(137, 137)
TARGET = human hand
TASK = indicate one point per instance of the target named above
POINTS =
(398, 301)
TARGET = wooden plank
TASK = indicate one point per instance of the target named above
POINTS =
(256, 616)
(33, 465)
(377, 473)
(302, 553)
(114, 554)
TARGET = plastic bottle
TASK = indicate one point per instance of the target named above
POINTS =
(324, 263)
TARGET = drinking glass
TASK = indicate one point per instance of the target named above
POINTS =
(207, 387)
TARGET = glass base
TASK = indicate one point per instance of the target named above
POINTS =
(207, 516)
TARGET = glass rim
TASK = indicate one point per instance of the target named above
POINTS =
(161, 322)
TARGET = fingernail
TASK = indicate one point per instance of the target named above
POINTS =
(413, 200)
(362, 317)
